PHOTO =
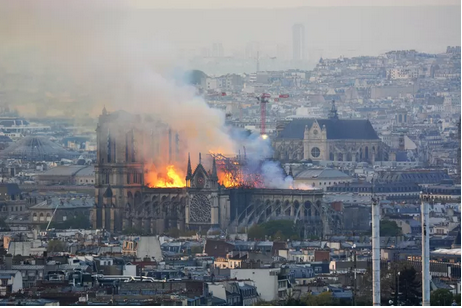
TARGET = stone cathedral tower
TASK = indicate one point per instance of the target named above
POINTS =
(119, 168)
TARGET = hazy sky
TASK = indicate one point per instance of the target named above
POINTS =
(216, 4)
(85, 50)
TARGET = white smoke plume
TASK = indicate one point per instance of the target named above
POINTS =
(78, 56)
(275, 177)
(71, 58)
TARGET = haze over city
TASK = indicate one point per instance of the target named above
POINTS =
(230, 153)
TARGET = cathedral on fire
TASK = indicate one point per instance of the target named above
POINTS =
(127, 143)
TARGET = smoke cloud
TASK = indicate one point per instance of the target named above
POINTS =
(71, 58)
(257, 151)
(78, 56)
(275, 177)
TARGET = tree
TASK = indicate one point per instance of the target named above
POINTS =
(276, 229)
(56, 246)
(457, 299)
(265, 303)
(441, 297)
(389, 228)
(409, 287)
(256, 232)
(279, 236)
(132, 231)
(293, 302)
(323, 299)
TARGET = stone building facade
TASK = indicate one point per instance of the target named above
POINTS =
(331, 139)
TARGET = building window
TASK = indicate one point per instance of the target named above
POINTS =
(315, 152)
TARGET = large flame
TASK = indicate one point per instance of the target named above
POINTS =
(227, 179)
(168, 179)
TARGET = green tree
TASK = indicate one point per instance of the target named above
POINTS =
(457, 298)
(256, 232)
(441, 297)
(265, 303)
(279, 236)
(293, 302)
(323, 299)
(56, 246)
(276, 229)
(409, 287)
(389, 228)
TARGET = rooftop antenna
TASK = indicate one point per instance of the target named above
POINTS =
(375, 248)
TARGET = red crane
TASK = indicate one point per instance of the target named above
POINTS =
(263, 100)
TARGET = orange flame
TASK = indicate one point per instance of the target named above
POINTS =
(227, 179)
(171, 178)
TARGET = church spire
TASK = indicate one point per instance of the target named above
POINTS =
(214, 170)
(290, 172)
(333, 115)
(189, 171)
(104, 110)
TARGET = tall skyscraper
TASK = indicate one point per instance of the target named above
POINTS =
(298, 42)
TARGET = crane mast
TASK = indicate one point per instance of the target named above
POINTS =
(263, 100)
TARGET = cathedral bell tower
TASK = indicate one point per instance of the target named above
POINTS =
(119, 173)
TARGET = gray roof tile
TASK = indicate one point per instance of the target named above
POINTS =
(336, 129)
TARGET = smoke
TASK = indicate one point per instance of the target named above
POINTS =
(258, 151)
(275, 177)
(71, 58)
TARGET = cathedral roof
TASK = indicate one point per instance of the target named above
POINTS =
(336, 129)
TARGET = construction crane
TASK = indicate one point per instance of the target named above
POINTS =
(263, 100)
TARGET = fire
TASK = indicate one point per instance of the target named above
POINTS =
(228, 180)
(168, 179)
